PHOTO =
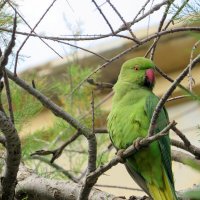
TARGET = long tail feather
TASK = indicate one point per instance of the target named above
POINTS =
(165, 193)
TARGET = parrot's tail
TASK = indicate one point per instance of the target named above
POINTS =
(166, 193)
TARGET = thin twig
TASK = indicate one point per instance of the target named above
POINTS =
(125, 24)
(57, 152)
(191, 94)
(92, 156)
(83, 49)
(176, 14)
(190, 78)
(141, 10)
(103, 36)
(151, 50)
(119, 187)
(182, 136)
(57, 167)
(177, 97)
(101, 12)
(191, 148)
(3, 62)
(32, 30)
(14, 8)
(99, 85)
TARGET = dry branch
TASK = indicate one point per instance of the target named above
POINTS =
(191, 148)
(185, 159)
(47, 103)
(38, 188)
(13, 157)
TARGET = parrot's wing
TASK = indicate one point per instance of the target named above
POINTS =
(161, 123)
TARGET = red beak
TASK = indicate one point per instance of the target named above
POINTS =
(150, 76)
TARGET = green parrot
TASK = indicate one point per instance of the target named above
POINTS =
(129, 119)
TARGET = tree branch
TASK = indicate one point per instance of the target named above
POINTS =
(92, 156)
(13, 157)
(191, 148)
(47, 103)
(185, 159)
(33, 187)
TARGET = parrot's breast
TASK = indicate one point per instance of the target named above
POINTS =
(127, 121)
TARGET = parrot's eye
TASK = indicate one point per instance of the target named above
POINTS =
(136, 67)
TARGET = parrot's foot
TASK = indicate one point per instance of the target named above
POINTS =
(135, 198)
(132, 198)
(136, 143)
(119, 154)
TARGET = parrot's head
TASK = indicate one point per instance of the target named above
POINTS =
(139, 71)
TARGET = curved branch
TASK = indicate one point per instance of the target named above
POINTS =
(47, 103)
(191, 148)
(186, 159)
(34, 187)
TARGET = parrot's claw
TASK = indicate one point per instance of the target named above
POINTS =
(134, 198)
(144, 198)
(136, 143)
(119, 154)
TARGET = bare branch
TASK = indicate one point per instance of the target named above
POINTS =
(32, 30)
(13, 157)
(118, 187)
(34, 187)
(57, 152)
(141, 10)
(107, 21)
(99, 85)
(57, 167)
(190, 94)
(177, 97)
(125, 24)
(47, 103)
(3, 62)
(192, 149)
(185, 159)
(190, 78)
(153, 46)
(182, 136)
(152, 10)
(176, 14)
(92, 156)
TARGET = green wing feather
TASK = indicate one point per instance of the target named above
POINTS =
(161, 123)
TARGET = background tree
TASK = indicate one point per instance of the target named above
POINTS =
(79, 132)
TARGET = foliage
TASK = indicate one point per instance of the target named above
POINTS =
(59, 131)
(6, 21)
(188, 11)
